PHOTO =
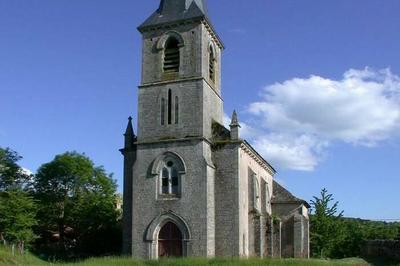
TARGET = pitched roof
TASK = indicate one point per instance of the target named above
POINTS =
(176, 10)
(282, 195)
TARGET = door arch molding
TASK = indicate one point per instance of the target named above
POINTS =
(153, 230)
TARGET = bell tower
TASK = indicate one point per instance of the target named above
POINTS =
(169, 176)
(180, 91)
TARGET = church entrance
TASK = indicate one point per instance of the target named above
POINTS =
(170, 241)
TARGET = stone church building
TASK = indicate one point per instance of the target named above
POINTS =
(191, 186)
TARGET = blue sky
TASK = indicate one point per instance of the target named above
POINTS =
(316, 85)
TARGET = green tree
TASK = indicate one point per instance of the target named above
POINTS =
(12, 175)
(77, 204)
(325, 229)
(17, 208)
(17, 217)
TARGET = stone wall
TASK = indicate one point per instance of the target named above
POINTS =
(195, 204)
(383, 249)
(226, 201)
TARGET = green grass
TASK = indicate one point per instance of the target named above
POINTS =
(6, 259)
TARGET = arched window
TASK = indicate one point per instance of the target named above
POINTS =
(176, 110)
(211, 62)
(171, 56)
(170, 179)
(169, 169)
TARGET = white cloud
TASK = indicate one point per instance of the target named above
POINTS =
(297, 119)
(26, 171)
(298, 153)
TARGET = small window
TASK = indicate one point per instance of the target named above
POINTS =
(211, 67)
(162, 111)
(169, 107)
(176, 110)
(171, 56)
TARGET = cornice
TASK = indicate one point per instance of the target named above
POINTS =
(142, 143)
(181, 80)
(246, 147)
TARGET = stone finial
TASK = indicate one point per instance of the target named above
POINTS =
(129, 134)
(235, 127)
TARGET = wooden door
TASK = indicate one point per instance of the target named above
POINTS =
(170, 241)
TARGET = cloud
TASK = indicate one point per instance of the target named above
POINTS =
(296, 120)
(26, 171)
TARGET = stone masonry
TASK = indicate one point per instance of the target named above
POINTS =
(193, 187)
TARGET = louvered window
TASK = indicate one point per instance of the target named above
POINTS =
(171, 56)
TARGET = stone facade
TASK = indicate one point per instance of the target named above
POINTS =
(184, 171)
(293, 214)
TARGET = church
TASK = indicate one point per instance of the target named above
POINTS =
(193, 187)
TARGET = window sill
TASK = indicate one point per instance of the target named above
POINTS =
(168, 197)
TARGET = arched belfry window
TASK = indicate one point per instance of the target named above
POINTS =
(171, 55)
(169, 168)
(211, 62)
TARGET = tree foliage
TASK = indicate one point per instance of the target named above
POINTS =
(17, 217)
(334, 236)
(17, 207)
(12, 175)
(324, 227)
(77, 207)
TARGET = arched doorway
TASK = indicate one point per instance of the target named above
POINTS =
(170, 241)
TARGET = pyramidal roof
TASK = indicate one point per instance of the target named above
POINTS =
(176, 10)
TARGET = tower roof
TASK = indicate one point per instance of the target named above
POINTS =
(176, 10)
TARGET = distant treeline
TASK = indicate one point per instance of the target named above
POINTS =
(334, 236)
(354, 232)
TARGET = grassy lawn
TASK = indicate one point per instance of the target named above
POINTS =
(6, 259)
